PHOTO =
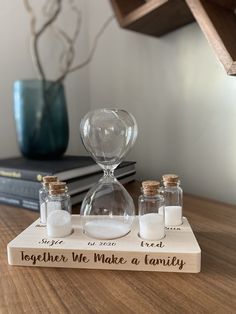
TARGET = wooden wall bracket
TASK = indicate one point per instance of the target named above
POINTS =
(216, 18)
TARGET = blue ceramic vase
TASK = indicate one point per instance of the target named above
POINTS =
(41, 118)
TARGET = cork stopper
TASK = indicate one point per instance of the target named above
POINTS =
(170, 179)
(47, 179)
(57, 188)
(150, 187)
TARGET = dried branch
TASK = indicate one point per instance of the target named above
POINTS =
(49, 7)
(35, 35)
(32, 31)
(51, 10)
(94, 46)
(68, 54)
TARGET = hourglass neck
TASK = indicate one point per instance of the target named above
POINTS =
(108, 172)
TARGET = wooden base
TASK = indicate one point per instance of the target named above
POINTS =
(177, 252)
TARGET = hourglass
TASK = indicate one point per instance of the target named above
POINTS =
(107, 211)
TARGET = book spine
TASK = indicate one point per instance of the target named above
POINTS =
(33, 204)
(25, 194)
(17, 201)
(21, 188)
(22, 174)
(30, 189)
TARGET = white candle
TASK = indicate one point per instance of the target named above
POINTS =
(151, 226)
(106, 229)
(173, 215)
(59, 224)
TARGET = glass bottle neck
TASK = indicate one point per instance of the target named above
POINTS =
(152, 196)
(58, 196)
(171, 185)
(45, 186)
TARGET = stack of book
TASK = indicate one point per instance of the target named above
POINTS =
(20, 178)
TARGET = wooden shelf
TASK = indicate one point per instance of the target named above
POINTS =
(154, 17)
(218, 23)
(216, 18)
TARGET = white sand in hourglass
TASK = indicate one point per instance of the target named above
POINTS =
(106, 229)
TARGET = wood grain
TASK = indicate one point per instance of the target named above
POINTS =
(219, 26)
(229, 4)
(49, 290)
(155, 17)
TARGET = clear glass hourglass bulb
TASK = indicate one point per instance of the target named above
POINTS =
(108, 211)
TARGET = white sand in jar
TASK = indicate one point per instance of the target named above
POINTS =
(43, 213)
(161, 210)
(151, 226)
(173, 215)
(51, 206)
(106, 229)
(59, 224)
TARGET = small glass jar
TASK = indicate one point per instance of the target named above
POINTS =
(151, 212)
(58, 197)
(59, 223)
(173, 196)
(43, 194)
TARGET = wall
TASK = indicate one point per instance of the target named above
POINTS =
(184, 103)
(15, 63)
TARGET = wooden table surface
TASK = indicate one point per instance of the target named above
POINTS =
(54, 290)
